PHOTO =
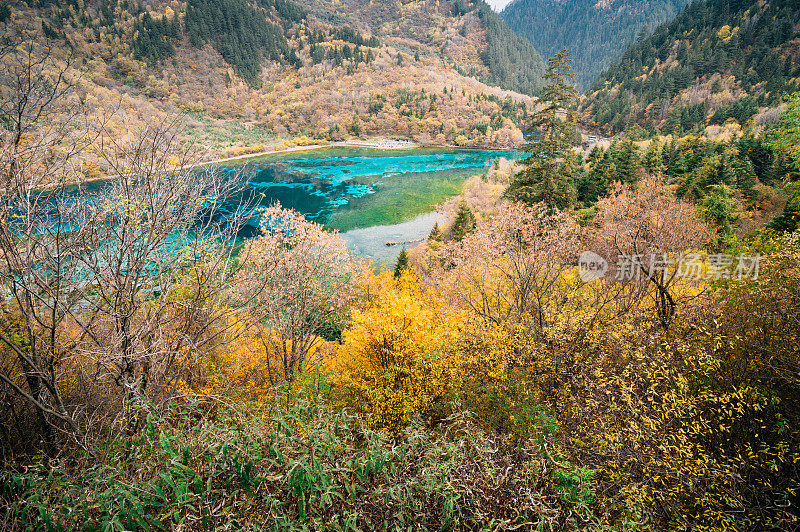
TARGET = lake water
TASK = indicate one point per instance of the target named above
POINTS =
(371, 196)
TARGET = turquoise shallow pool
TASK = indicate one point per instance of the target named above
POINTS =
(351, 188)
(370, 196)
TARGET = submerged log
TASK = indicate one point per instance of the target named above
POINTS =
(390, 243)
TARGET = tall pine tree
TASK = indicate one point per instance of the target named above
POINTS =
(464, 222)
(550, 167)
(402, 263)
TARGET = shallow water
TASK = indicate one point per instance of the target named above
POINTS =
(348, 188)
(371, 241)
(372, 196)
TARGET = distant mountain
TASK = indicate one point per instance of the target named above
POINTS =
(467, 34)
(594, 32)
(242, 73)
(719, 60)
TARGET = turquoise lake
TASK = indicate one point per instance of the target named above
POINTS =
(371, 196)
(363, 192)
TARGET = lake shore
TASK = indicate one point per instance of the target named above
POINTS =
(372, 241)
(381, 144)
(376, 144)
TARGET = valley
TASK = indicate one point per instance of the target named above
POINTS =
(400, 265)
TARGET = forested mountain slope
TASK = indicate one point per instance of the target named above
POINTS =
(718, 60)
(464, 33)
(594, 32)
(242, 73)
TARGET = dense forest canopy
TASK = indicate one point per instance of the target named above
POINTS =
(512, 61)
(238, 31)
(244, 74)
(717, 60)
(594, 33)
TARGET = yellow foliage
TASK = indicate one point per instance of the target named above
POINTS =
(302, 140)
(91, 170)
(401, 355)
(245, 364)
(238, 151)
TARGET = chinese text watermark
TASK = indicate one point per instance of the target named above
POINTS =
(692, 266)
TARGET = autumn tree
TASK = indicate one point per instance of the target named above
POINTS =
(507, 271)
(300, 281)
(43, 128)
(400, 357)
(643, 233)
(126, 279)
(549, 167)
(157, 241)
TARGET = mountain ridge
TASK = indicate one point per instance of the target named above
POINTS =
(594, 32)
(241, 74)
(718, 60)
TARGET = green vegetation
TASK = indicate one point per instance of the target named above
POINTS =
(550, 167)
(512, 61)
(785, 138)
(278, 468)
(353, 36)
(751, 167)
(745, 45)
(436, 233)
(153, 38)
(463, 224)
(401, 265)
(239, 32)
(286, 10)
(209, 132)
(719, 208)
(594, 33)
(726, 177)
(398, 199)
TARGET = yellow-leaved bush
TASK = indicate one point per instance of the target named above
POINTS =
(401, 355)
(244, 363)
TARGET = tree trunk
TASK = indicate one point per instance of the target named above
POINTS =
(46, 429)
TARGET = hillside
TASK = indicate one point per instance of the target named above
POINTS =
(595, 33)
(244, 75)
(717, 61)
(465, 34)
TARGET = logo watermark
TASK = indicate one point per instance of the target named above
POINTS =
(692, 266)
(591, 266)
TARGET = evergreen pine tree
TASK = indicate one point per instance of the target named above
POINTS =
(402, 263)
(719, 208)
(652, 159)
(436, 233)
(789, 220)
(464, 222)
(628, 162)
(550, 166)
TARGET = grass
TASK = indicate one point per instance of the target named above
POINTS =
(399, 199)
(226, 133)
(301, 468)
